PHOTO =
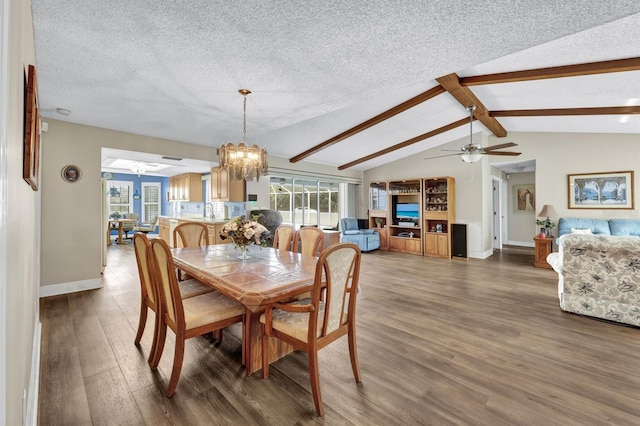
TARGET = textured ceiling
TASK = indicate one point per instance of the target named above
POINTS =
(172, 69)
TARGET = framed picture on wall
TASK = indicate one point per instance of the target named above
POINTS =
(524, 198)
(31, 132)
(608, 190)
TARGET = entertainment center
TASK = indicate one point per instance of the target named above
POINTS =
(414, 216)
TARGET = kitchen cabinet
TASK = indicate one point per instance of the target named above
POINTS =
(186, 187)
(225, 189)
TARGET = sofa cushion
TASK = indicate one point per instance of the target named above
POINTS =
(597, 226)
(625, 227)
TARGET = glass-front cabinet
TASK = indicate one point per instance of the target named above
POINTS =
(439, 214)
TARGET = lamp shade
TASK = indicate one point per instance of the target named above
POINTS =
(547, 211)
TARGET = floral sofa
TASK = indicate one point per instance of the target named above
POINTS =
(599, 276)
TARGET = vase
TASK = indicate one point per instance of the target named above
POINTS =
(244, 250)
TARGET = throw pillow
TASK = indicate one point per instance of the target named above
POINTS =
(581, 231)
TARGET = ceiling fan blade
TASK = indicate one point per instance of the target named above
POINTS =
(440, 156)
(502, 153)
(500, 146)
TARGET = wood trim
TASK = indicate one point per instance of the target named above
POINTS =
(619, 65)
(465, 96)
(416, 100)
(406, 143)
(567, 111)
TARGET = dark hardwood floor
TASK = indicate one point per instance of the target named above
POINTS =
(477, 342)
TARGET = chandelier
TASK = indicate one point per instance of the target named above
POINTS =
(244, 161)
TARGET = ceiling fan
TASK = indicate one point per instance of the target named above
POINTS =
(473, 152)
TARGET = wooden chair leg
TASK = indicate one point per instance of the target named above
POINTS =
(162, 336)
(156, 332)
(178, 358)
(353, 354)
(265, 353)
(142, 322)
(314, 377)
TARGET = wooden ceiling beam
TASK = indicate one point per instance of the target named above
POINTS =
(416, 100)
(618, 65)
(406, 143)
(465, 96)
(566, 111)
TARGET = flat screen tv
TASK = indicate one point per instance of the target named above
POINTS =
(408, 211)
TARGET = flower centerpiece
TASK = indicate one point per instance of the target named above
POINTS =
(244, 232)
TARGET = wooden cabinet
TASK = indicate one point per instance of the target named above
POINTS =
(436, 244)
(225, 189)
(384, 238)
(439, 214)
(164, 229)
(404, 216)
(412, 245)
(186, 187)
(543, 249)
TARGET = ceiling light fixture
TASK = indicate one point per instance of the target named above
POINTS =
(243, 161)
(139, 169)
(473, 154)
(63, 111)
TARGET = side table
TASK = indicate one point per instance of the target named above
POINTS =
(543, 249)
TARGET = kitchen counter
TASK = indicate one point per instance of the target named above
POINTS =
(197, 219)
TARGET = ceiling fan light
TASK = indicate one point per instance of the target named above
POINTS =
(471, 157)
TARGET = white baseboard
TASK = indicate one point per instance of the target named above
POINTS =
(31, 415)
(64, 288)
(521, 243)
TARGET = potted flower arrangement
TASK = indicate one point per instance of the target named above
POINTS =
(244, 232)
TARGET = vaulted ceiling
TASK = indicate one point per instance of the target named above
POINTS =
(337, 75)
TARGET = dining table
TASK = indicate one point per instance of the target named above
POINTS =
(119, 223)
(268, 275)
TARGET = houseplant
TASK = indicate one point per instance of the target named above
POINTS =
(244, 232)
(547, 224)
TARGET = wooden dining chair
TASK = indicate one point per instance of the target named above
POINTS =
(149, 291)
(190, 234)
(311, 324)
(187, 318)
(309, 240)
(283, 237)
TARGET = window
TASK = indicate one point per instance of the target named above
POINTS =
(151, 202)
(120, 194)
(305, 201)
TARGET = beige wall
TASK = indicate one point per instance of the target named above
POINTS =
(521, 224)
(556, 155)
(71, 212)
(22, 228)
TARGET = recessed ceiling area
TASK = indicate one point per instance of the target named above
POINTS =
(122, 161)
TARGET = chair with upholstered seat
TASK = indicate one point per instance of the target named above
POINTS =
(309, 240)
(311, 324)
(283, 237)
(187, 318)
(190, 234)
(148, 289)
(130, 224)
(147, 227)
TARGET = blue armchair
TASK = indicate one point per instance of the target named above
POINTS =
(366, 239)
